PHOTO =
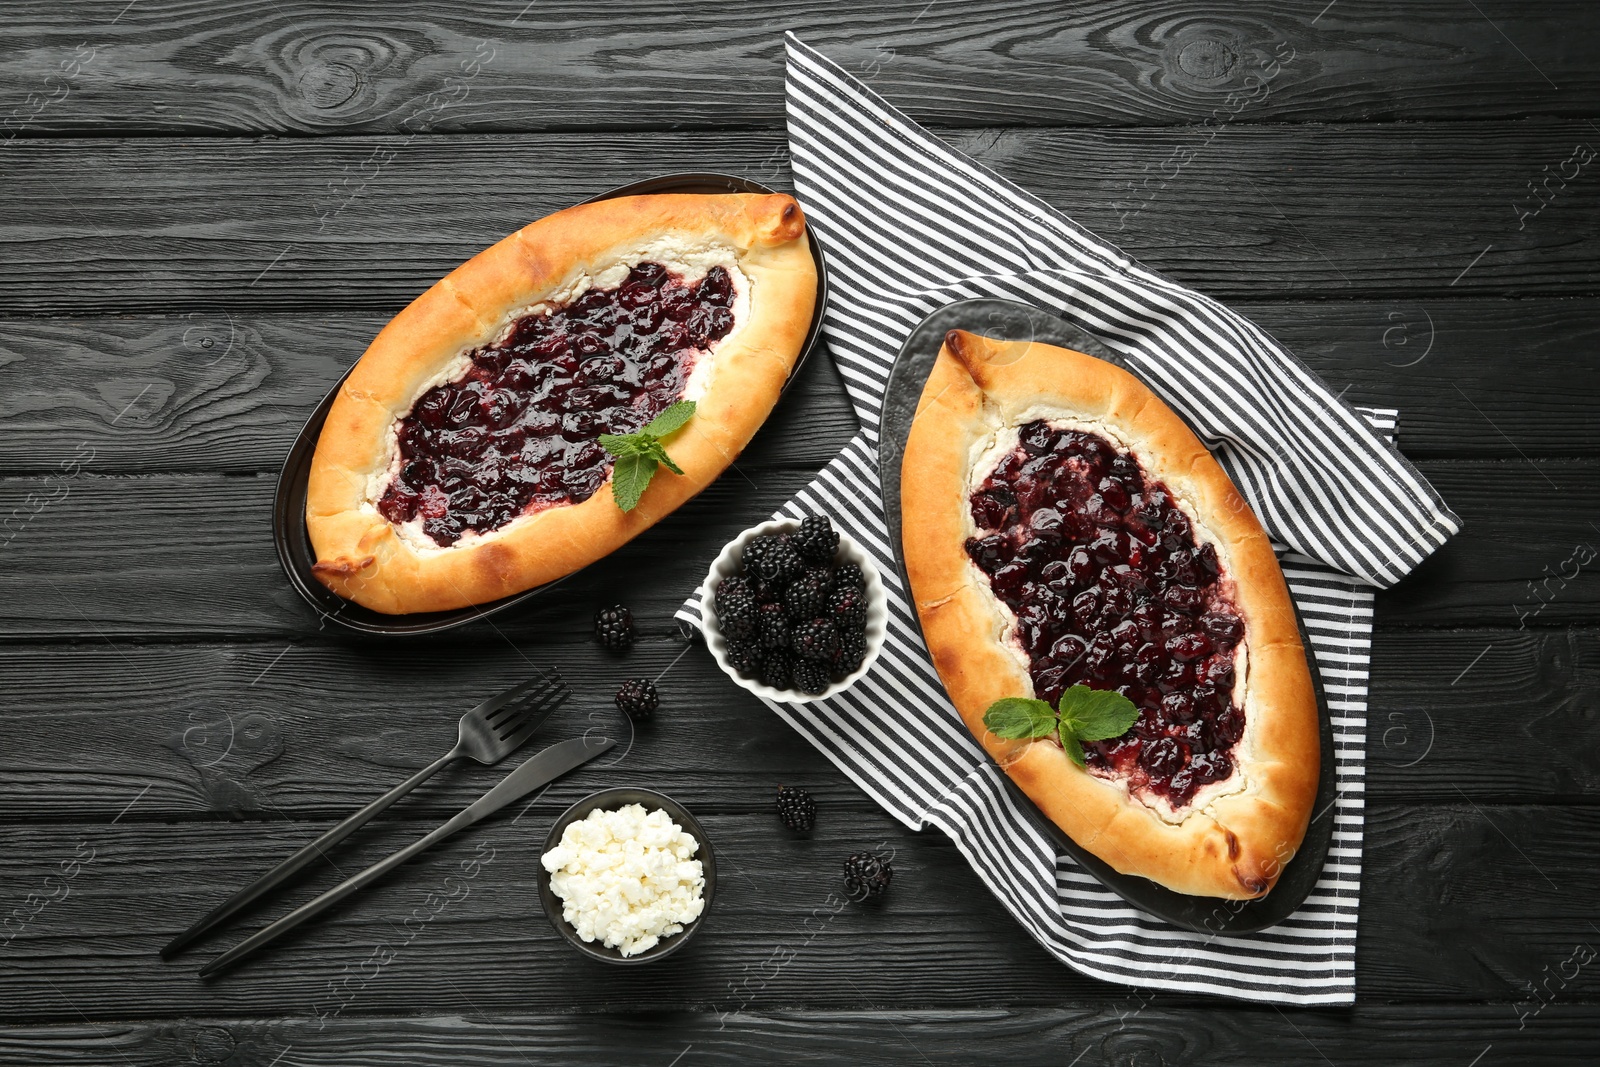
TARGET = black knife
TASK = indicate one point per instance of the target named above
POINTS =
(541, 770)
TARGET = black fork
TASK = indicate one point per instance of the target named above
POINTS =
(488, 734)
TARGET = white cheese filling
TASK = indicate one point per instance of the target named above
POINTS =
(985, 455)
(627, 878)
(690, 263)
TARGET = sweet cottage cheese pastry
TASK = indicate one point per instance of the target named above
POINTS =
(460, 461)
(1064, 527)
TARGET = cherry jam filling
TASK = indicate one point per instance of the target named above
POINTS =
(1111, 590)
(517, 433)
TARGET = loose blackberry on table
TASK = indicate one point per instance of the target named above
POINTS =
(638, 698)
(614, 627)
(866, 876)
(796, 808)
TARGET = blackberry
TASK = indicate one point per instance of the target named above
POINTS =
(849, 576)
(744, 656)
(614, 626)
(848, 608)
(773, 559)
(638, 698)
(732, 584)
(820, 573)
(866, 876)
(735, 604)
(766, 592)
(754, 553)
(783, 564)
(772, 627)
(849, 653)
(776, 669)
(796, 808)
(815, 640)
(816, 540)
(810, 676)
(806, 598)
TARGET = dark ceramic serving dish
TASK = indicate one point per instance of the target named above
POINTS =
(1012, 321)
(289, 504)
(616, 798)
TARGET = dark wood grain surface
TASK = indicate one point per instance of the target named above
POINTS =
(208, 210)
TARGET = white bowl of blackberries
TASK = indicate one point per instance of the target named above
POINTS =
(794, 611)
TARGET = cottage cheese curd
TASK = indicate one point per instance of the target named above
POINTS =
(627, 878)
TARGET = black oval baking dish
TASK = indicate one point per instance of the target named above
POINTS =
(289, 503)
(1012, 321)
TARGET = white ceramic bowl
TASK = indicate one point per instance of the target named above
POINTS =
(727, 564)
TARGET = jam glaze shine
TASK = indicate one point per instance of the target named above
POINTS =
(516, 433)
(1111, 588)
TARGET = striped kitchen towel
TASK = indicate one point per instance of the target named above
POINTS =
(910, 225)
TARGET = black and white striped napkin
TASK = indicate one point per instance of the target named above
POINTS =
(910, 225)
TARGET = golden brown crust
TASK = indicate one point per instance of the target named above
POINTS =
(1235, 839)
(361, 557)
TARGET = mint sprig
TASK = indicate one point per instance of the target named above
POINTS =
(639, 454)
(1082, 714)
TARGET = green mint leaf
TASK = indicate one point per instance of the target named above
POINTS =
(659, 453)
(1017, 718)
(1096, 714)
(622, 444)
(1072, 747)
(629, 478)
(671, 420)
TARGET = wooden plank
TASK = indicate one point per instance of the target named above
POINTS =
(109, 226)
(1526, 556)
(303, 67)
(1472, 378)
(1483, 713)
(205, 392)
(312, 730)
(171, 554)
(1460, 902)
(1166, 1030)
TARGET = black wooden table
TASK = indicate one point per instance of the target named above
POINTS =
(207, 212)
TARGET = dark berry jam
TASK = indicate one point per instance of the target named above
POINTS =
(517, 433)
(1111, 591)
